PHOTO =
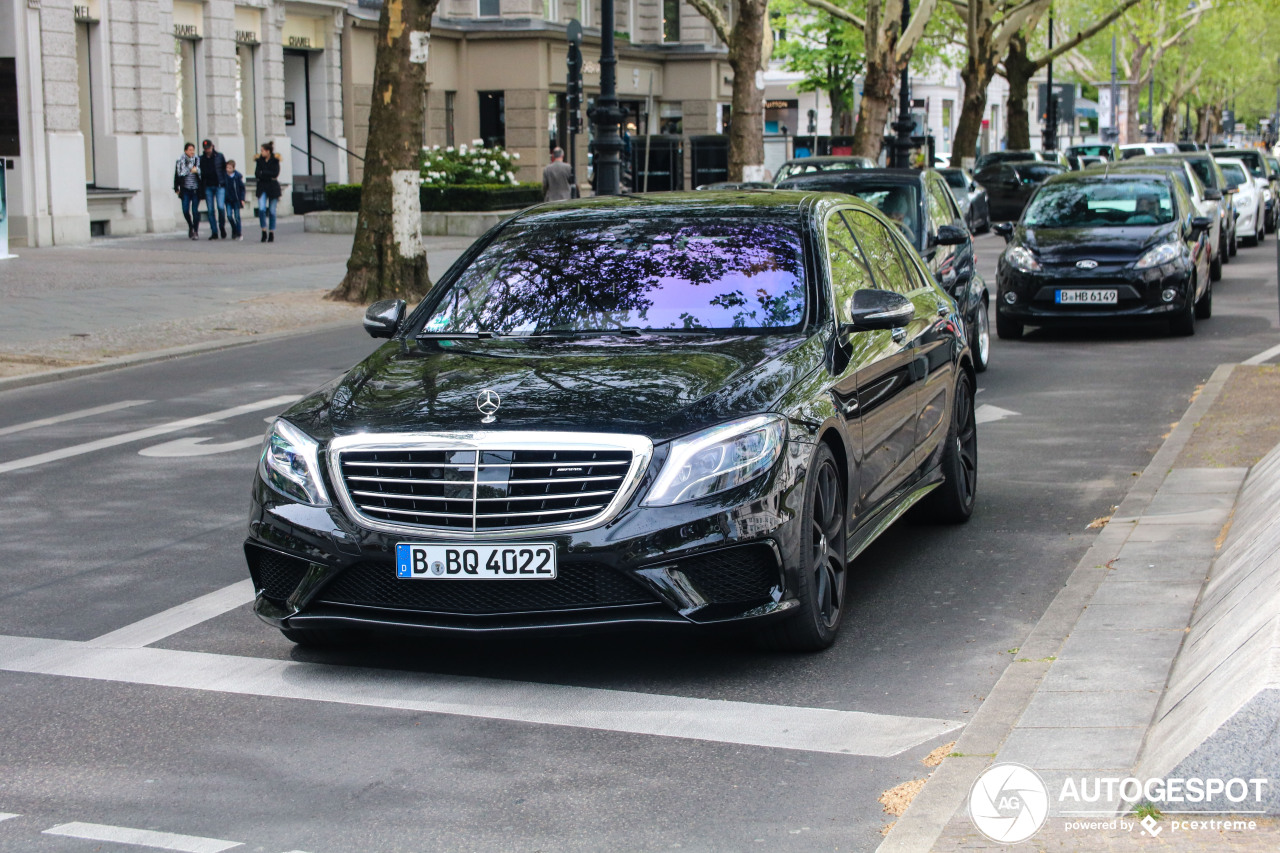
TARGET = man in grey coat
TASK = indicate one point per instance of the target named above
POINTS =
(557, 178)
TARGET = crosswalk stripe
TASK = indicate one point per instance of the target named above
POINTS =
(149, 432)
(8, 816)
(186, 615)
(717, 720)
(71, 416)
(142, 837)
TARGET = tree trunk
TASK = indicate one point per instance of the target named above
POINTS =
(1169, 121)
(388, 258)
(976, 75)
(839, 111)
(877, 105)
(1018, 69)
(746, 122)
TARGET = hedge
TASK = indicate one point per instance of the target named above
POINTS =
(476, 197)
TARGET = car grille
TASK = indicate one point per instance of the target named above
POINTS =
(276, 575)
(481, 489)
(734, 575)
(576, 586)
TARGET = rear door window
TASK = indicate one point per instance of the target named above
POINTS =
(849, 270)
(881, 253)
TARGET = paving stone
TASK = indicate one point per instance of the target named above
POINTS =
(1090, 709)
(1104, 749)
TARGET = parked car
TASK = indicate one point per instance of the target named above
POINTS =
(1078, 162)
(1019, 156)
(925, 210)
(1189, 146)
(684, 409)
(971, 198)
(810, 165)
(1010, 185)
(1273, 174)
(1207, 170)
(1105, 150)
(1147, 149)
(1103, 246)
(1250, 205)
(1261, 174)
(1207, 201)
(736, 185)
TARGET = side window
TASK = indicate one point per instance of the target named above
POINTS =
(881, 252)
(939, 207)
(849, 271)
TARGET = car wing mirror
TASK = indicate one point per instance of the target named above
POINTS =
(871, 309)
(951, 235)
(1004, 229)
(1211, 194)
(1200, 224)
(382, 319)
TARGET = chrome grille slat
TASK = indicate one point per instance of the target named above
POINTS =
(508, 482)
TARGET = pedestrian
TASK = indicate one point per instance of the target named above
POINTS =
(186, 183)
(235, 199)
(213, 180)
(557, 178)
(266, 172)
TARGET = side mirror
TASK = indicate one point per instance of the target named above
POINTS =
(878, 309)
(1211, 194)
(1200, 224)
(951, 235)
(382, 319)
(1004, 229)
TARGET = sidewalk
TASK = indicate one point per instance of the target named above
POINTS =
(81, 305)
(1080, 697)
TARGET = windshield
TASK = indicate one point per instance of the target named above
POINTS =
(1253, 160)
(1100, 205)
(790, 170)
(1090, 150)
(1204, 172)
(1234, 174)
(899, 202)
(687, 272)
(956, 178)
(1039, 171)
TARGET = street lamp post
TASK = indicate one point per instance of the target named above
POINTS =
(1050, 141)
(904, 125)
(607, 115)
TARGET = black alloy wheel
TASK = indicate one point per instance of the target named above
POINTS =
(821, 586)
(953, 501)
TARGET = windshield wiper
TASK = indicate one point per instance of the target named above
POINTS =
(456, 336)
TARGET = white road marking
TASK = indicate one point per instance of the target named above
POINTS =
(986, 413)
(715, 720)
(141, 434)
(142, 837)
(8, 816)
(155, 628)
(1264, 356)
(182, 447)
(72, 416)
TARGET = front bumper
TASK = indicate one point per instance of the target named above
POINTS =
(722, 560)
(1139, 293)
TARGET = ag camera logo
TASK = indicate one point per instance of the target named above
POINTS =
(1008, 803)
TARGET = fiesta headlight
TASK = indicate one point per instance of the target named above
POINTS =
(290, 464)
(717, 459)
(1165, 253)
(1021, 259)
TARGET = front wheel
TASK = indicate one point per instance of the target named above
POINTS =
(821, 583)
(953, 501)
(1184, 324)
(1235, 244)
(1204, 307)
(1215, 268)
(980, 339)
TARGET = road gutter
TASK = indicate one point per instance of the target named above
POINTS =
(944, 794)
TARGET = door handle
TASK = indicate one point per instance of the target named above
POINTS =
(899, 334)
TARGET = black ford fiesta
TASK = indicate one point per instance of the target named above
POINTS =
(1100, 246)
(687, 409)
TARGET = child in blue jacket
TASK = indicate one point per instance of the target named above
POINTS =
(235, 199)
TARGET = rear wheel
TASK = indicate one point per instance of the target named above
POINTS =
(1007, 328)
(1184, 323)
(821, 584)
(1215, 268)
(953, 501)
(1204, 306)
(1235, 244)
(980, 338)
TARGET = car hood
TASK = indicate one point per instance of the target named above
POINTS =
(1105, 245)
(659, 386)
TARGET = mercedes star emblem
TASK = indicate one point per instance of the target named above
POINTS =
(488, 402)
(1086, 265)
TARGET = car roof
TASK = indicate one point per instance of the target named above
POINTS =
(715, 202)
(899, 177)
(1108, 172)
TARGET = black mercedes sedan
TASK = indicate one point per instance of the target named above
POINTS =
(1105, 246)
(926, 212)
(686, 409)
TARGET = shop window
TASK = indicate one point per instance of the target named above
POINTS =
(670, 21)
(493, 119)
(448, 117)
(246, 100)
(86, 79)
(188, 90)
(490, 8)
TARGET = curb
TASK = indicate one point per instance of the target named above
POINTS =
(943, 795)
(137, 359)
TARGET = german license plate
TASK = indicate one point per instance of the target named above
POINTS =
(1086, 297)
(474, 562)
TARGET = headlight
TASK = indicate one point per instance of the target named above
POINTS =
(1165, 253)
(1021, 259)
(1266, 195)
(717, 459)
(290, 464)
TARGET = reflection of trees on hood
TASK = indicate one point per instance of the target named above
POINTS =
(697, 272)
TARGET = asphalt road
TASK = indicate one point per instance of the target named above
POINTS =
(221, 733)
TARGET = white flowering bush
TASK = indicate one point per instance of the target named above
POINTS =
(447, 166)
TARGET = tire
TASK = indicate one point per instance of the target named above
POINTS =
(1184, 324)
(1007, 328)
(980, 340)
(1235, 244)
(953, 501)
(822, 578)
(1224, 249)
(1215, 268)
(1204, 306)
